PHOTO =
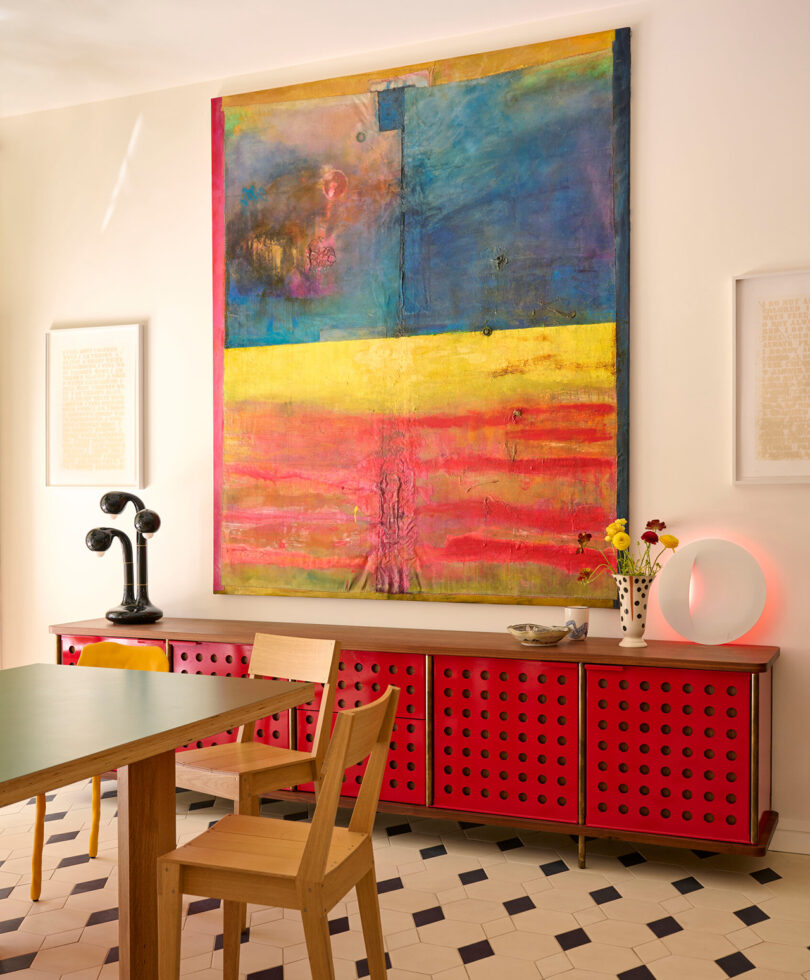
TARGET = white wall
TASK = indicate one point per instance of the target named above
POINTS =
(720, 158)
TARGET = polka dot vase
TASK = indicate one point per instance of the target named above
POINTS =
(634, 590)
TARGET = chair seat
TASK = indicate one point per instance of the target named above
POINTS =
(241, 757)
(262, 846)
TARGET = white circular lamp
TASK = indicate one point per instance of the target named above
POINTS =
(711, 591)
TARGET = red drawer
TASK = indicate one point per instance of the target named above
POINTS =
(227, 660)
(72, 646)
(405, 777)
(363, 677)
(505, 737)
(668, 751)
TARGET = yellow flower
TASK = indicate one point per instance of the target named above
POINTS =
(669, 541)
(612, 529)
(621, 541)
(621, 520)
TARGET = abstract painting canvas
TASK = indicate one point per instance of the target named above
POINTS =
(421, 285)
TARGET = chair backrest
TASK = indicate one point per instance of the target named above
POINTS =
(359, 733)
(108, 653)
(296, 658)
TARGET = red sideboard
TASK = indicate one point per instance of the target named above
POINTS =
(667, 744)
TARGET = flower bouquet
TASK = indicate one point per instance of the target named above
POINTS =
(633, 570)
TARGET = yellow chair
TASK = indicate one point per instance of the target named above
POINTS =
(106, 653)
(288, 864)
(245, 770)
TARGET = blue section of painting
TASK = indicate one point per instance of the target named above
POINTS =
(508, 205)
(499, 214)
(391, 109)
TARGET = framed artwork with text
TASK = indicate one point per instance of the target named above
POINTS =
(772, 378)
(421, 282)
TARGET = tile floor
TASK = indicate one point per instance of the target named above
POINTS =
(459, 902)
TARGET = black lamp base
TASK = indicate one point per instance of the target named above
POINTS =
(136, 612)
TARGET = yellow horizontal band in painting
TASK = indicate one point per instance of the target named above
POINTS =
(441, 72)
(428, 374)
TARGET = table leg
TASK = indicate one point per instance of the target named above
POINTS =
(146, 829)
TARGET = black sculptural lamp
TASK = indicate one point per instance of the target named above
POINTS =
(135, 606)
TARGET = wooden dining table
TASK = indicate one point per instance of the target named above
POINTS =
(60, 724)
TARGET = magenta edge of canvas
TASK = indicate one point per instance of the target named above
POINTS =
(218, 265)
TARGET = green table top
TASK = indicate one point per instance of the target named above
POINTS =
(59, 724)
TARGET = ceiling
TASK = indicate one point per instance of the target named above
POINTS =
(55, 53)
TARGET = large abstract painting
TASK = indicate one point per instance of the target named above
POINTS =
(421, 315)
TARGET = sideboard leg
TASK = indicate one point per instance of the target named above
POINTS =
(581, 850)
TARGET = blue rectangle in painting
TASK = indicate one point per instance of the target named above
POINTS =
(508, 200)
(391, 109)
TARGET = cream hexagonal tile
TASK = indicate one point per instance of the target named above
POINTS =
(524, 946)
(688, 968)
(60, 920)
(277, 932)
(588, 916)
(69, 959)
(603, 959)
(709, 920)
(71, 936)
(425, 958)
(547, 921)
(698, 945)
(408, 900)
(451, 932)
(651, 951)
(775, 956)
(499, 927)
(633, 910)
(560, 901)
(515, 969)
(252, 958)
(473, 910)
(552, 966)
(612, 932)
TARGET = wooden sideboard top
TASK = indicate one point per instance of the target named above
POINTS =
(594, 650)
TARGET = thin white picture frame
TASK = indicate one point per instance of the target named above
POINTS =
(94, 406)
(771, 410)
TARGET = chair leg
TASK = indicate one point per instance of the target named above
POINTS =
(246, 806)
(369, 903)
(36, 855)
(319, 946)
(92, 848)
(170, 906)
(234, 913)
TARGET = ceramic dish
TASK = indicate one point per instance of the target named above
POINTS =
(532, 635)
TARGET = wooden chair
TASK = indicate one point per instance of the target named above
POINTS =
(288, 864)
(245, 770)
(105, 653)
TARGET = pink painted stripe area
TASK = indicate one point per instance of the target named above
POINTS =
(218, 270)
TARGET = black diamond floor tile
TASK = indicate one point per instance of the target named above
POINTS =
(686, 885)
(734, 964)
(476, 951)
(362, 969)
(48, 797)
(58, 838)
(69, 862)
(628, 860)
(470, 877)
(426, 916)
(516, 905)
(272, 973)
(704, 854)
(5, 892)
(765, 876)
(336, 926)
(389, 885)
(14, 963)
(88, 886)
(203, 905)
(602, 895)
(219, 942)
(665, 927)
(109, 794)
(751, 915)
(510, 844)
(554, 868)
(298, 815)
(437, 850)
(201, 804)
(11, 925)
(466, 825)
(112, 956)
(397, 829)
(106, 915)
(637, 973)
(572, 938)
(50, 817)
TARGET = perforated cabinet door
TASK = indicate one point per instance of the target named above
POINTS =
(227, 660)
(668, 751)
(505, 737)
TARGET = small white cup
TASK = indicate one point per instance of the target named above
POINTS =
(577, 618)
